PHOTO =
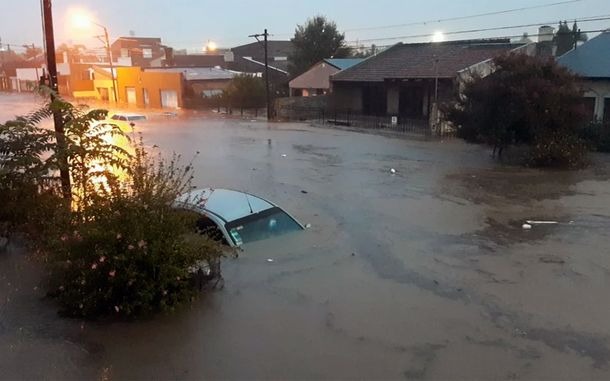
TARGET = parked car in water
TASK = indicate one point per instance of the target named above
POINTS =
(237, 218)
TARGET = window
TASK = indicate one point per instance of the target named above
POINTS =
(147, 53)
(124, 52)
(607, 110)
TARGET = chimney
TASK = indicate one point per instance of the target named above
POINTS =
(545, 34)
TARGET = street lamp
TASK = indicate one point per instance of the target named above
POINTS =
(82, 21)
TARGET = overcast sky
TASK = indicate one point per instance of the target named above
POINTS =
(190, 23)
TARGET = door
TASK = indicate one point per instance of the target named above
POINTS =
(131, 95)
(146, 98)
(169, 99)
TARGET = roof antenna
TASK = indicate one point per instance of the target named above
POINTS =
(248, 199)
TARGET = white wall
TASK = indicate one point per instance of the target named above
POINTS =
(29, 74)
(600, 90)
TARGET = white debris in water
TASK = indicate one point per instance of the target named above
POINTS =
(542, 222)
(307, 226)
(270, 260)
(526, 227)
(284, 155)
(393, 171)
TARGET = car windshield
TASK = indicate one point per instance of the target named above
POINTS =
(136, 117)
(266, 224)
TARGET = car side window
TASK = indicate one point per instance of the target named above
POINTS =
(208, 227)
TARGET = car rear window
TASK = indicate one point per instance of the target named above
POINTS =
(259, 226)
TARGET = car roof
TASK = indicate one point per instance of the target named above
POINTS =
(230, 205)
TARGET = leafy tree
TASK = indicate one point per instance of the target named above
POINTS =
(526, 100)
(245, 91)
(314, 41)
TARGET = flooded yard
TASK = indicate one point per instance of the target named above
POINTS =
(425, 273)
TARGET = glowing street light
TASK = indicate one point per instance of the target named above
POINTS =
(438, 36)
(83, 21)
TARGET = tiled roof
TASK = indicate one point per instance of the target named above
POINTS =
(590, 60)
(343, 63)
(418, 60)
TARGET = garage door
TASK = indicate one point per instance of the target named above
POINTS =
(169, 99)
(131, 95)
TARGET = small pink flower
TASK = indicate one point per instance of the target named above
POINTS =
(116, 308)
(130, 247)
(64, 238)
(112, 273)
(102, 259)
(142, 244)
(164, 292)
(83, 282)
(94, 266)
(177, 278)
(119, 236)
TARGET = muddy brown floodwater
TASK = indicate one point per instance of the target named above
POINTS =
(425, 274)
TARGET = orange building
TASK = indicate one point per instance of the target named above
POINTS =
(149, 89)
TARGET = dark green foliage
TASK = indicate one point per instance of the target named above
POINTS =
(244, 92)
(318, 39)
(525, 101)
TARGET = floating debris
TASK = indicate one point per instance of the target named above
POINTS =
(526, 227)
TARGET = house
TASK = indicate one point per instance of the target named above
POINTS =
(139, 51)
(277, 53)
(201, 82)
(591, 61)
(250, 58)
(316, 80)
(407, 81)
(151, 89)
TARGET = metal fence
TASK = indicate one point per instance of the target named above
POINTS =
(348, 118)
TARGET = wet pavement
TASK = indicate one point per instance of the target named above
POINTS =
(424, 274)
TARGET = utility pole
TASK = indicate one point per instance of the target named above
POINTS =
(49, 38)
(265, 43)
(106, 43)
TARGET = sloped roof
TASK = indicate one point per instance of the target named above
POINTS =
(425, 60)
(276, 48)
(591, 59)
(343, 63)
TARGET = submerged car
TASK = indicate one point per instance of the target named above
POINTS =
(237, 218)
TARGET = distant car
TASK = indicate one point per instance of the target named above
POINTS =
(237, 218)
(128, 117)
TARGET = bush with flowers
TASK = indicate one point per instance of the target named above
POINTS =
(117, 247)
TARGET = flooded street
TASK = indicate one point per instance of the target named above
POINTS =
(422, 274)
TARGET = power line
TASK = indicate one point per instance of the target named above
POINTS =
(514, 10)
(504, 37)
(581, 20)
